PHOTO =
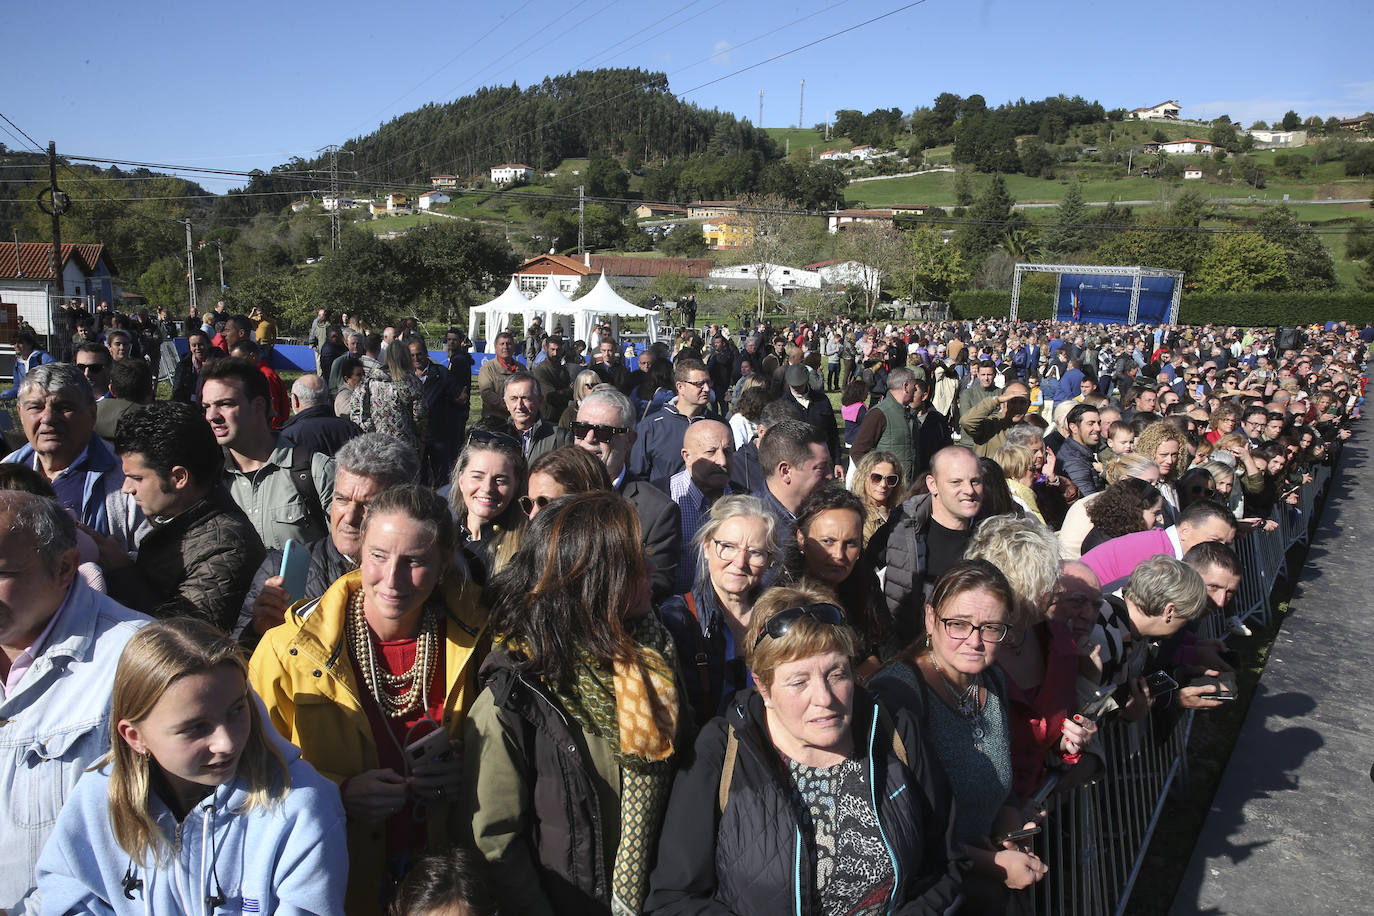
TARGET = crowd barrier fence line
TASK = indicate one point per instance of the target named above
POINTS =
(1095, 837)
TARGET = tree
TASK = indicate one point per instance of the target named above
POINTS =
(367, 277)
(933, 268)
(879, 252)
(164, 282)
(455, 265)
(1066, 235)
(778, 234)
(1242, 262)
(674, 286)
(1291, 121)
(1308, 264)
(963, 189)
(1036, 160)
(988, 221)
(1224, 134)
(683, 240)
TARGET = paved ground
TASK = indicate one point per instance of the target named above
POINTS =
(1292, 824)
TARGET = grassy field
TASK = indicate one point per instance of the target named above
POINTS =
(399, 223)
(806, 143)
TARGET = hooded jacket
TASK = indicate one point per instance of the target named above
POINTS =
(289, 859)
(751, 860)
(301, 670)
(104, 505)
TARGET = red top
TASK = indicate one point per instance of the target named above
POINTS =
(405, 830)
(1035, 717)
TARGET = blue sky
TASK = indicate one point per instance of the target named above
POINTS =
(248, 85)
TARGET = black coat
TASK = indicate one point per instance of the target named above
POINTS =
(318, 429)
(743, 861)
(660, 521)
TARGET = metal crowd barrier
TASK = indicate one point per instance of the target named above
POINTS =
(1095, 837)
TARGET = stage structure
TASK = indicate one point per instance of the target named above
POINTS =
(1107, 295)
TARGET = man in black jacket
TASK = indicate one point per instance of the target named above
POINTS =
(313, 425)
(197, 549)
(815, 407)
(605, 427)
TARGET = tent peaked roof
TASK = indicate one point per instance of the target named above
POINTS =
(551, 299)
(512, 300)
(603, 300)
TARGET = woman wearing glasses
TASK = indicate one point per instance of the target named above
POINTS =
(879, 483)
(952, 685)
(565, 470)
(488, 481)
(711, 624)
(808, 796)
(569, 750)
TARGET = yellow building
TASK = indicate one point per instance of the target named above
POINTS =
(729, 232)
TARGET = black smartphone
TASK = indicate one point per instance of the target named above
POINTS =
(1015, 836)
(1225, 684)
(1160, 683)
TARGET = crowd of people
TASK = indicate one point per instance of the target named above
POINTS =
(659, 631)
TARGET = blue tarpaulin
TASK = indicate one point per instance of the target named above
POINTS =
(1107, 300)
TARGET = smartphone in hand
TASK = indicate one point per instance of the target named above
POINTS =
(295, 563)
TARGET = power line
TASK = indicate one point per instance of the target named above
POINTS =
(36, 145)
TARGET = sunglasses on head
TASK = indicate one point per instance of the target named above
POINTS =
(602, 432)
(889, 479)
(487, 437)
(781, 623)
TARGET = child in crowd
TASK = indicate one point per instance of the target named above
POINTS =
(446, 885)
(199, 806)
(1120, 441)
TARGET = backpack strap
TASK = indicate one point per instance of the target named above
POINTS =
(304, 480)
(703, 668)
(727, 769)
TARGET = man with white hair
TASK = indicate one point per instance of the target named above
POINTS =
(59, 644)
(313, 424)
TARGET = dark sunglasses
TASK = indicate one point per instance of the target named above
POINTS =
(528, 505)
(487, 437)
(889, 479)
(602, 432)
(88, 368)
(780, 623)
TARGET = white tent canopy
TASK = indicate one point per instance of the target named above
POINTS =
(496, 314)
(604, 302)
(550, 305)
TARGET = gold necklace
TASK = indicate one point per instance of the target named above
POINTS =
(413, 685)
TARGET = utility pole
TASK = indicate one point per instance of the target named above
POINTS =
(221, 267)
(334, 214)
(57, 208)
(190, 264)
(760, 124)
(581, 216)
(801, 107)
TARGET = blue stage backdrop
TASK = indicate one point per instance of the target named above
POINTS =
(1107, 300)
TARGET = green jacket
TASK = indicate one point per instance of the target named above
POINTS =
(272, 502)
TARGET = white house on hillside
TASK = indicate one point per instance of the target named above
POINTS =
(1188, 146)
(330, 202)
(431, 198)
(396, 202)
(505, 174)
(1168, 110)
(848, 273)
(1192, 174)
(779, 277)
(863, 153)
(1280, 137)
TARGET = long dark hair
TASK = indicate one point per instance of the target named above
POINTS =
(565, 590)
(1117, 510)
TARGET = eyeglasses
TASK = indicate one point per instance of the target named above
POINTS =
(963, 629)
(697, 385)
(488, 437)
(528, 505)
(727, 552)
(889, 479)
(602, 432)
(780, 623)
(88, 368)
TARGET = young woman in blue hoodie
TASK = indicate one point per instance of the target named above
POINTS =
(199, 808)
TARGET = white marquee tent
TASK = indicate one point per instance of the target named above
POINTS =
(550, 305)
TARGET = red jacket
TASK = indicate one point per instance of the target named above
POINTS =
(1035, 719)
(281, 405)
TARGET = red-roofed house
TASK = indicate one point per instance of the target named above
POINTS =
(27, 278)
(541, 270)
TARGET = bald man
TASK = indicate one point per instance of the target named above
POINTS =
(708, 450)
(987, 423)
(314, 425)
(1076, 599)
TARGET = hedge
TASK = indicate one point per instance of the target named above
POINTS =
(1255, 309)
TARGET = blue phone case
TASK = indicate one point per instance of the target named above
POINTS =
(295, 562)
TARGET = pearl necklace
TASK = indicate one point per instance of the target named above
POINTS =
(968, 704)
(384, 686)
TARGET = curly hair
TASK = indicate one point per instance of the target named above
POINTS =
(1027, 552)
(1156, 434)
(1118, 510)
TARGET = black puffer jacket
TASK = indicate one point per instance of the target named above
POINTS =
(746, 861)
(197, 564)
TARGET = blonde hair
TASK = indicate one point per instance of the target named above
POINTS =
(870, 460)
(1218, 470)
(807, 637)
(1027, 553)
(1015, 460)
(1125, 465)
(1155, 435)
(155, 658)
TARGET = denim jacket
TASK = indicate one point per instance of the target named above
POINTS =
(53, 727)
